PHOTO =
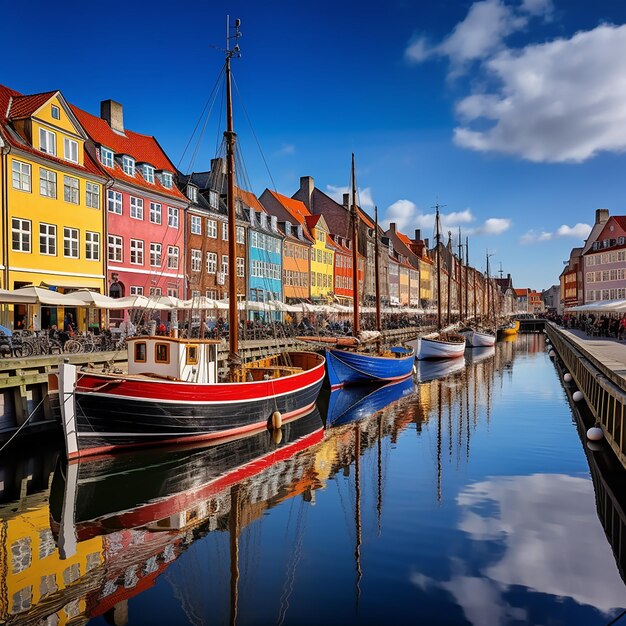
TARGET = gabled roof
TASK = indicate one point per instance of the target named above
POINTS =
(249, 199)
(366, 218)
(521, 292)
(142, 148)
(312, 220)
(25, 106)
(296, 209)
(403, 238)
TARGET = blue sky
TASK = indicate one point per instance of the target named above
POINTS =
(512, 114)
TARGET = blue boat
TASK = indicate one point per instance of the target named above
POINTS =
(345, 367)
(354, 403)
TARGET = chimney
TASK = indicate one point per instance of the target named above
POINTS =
(602, 216)
(392, 227)
(426, 243)
(418, 234)
(113, 113)
(346, 200)
(218, 166)
(306, 190)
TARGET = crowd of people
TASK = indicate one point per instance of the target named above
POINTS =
(595, 325)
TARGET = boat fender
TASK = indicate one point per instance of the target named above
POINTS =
(577, 396)
(595, 433)
(567, 377)
(277, 420)
(277, 436)
(552, 354)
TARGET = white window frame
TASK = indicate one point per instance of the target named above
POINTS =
(71, 242)
(70, 150)
(225, 264)
(211, 229)
(136, 208)
(55, 112)
(107, 157)
(115, 248)
(192, 193)
(47, 183)
(148, 173)
(47, 141)
(211, 263)
(156, 212)
(128, 165)
(195, 225)
(213, 199)
(155, 291)
(92, 195)
(136, 290)
(114, 202)
(136, 251)
(156, 254)
(241, 235)
(71, 189)
(196, 260)
(23, 229)
(173, 257)
(167, 179)
(47, 239)
(172, 216)
(241, 266)
(21, 174)
(92, 246)
(224, 231)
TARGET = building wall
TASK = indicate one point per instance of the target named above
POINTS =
(296, 265)
(322, 265)
(264, 265)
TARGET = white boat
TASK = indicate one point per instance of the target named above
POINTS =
(441, 346)
(478, 339)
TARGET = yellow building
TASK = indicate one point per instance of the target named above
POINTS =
(322, 259)
(425, 279)
(53, 222)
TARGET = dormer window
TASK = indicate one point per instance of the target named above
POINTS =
(192, 193)
(287, 229)
(148, 172)
(47, 141)
(128, 165)
(252, 216)
(213, 199)
(167, 179)
(274, 223)
(55, 111)
(263, 220)
(70, 148)
(300, 233)
(106, 157)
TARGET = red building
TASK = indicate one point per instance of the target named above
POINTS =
(144, 208)
(343, 269)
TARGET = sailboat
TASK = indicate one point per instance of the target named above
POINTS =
(346, 365)
(440, 345)
(480, 338)
(172, 391)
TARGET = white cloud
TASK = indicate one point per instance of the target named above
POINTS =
(579, 231)
(418, 50)
(560, 101)
(495, 226)
(364, 196)
(287, 149)
(403, 214)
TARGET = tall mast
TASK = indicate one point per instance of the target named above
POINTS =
(449, 313)
(460, 292)
(379, 327)
(438, 255)
(466, 277)
(488, 301)
(356, 328)
(230, 138)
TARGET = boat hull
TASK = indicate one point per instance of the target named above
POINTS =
(353, 368)
(120, 412)
(438, 349)
(477, 339)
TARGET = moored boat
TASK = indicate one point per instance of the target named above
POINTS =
(441, 346)
(478, 339)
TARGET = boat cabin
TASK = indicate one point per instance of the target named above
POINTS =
(189, 360)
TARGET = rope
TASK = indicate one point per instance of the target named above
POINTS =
(17, 432)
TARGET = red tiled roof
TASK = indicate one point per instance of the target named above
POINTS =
(296, 209)
(249, 199)
(621, 220)
(143, 148)
(312, 220)
(366, 218)
(403, 238)
(7, 96)
(25, 106)
(521, 292)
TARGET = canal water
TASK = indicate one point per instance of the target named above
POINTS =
(465, 496)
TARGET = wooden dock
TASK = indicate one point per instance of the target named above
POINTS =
(598, 367)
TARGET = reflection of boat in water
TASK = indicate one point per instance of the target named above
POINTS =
(480, 354)
(431, 370)
(353, 403)
(127, 491)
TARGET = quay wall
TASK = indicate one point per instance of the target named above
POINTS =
(24, 381)
(604, 390)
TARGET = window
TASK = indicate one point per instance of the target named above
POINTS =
(241, 237)
(148, 173)
(167, 180)
(136, 208)
(196, 260)
(211, 226)
(92, 246)
(55, 112)
(172, 217)
(213, 199)
(107, 157)
(155, 212)
(20, 235)
(47, 239)
(225, 263)
(21, 176)
(211, 262)
(155, 291)
(128, 165)
(192, 193)
(136, 251)
(172, 291)
(162, 353)
(92, 195)
(114, 202)
(155, 254)
(70, 148)
(172, 257)
(115, 248)
(47, 183)
(196, 225)
(241, 264)
(224, 231)
(192, 355)
(136, 291)
(71, 190)
(70, 242)
(47, 141)
(140, 351)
